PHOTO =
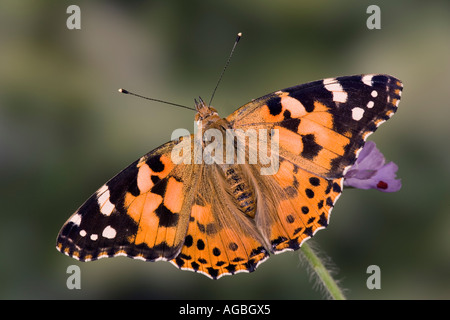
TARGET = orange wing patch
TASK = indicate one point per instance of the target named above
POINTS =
(156, 210)
(174, 198)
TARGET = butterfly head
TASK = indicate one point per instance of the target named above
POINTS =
(205, 114)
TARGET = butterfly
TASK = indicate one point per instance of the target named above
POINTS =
(221, 218)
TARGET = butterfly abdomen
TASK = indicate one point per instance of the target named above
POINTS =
(240, 190)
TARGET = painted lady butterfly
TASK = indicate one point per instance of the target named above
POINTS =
(221, 219)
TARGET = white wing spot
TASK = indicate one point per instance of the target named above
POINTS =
(102, 189)
(94, 237)
(367, 80)
(106, 207)
(329, 81)
(83, 233)
(374, 93)
(109, 232)
(339, 94)
(76, 219)
(357, 113)
(370, 104)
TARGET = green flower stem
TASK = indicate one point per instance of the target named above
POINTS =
(323, 274)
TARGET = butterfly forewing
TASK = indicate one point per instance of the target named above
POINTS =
(142, 212)
(323, 124)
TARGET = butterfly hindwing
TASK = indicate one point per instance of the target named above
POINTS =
(296, 205)
(220, 239)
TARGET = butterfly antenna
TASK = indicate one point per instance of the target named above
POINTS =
(157, 100)
(239, 35)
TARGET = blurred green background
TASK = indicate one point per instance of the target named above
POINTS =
(65, 130)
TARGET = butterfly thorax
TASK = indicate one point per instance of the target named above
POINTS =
(236, 182)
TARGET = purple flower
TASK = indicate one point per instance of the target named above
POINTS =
(371, 172)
